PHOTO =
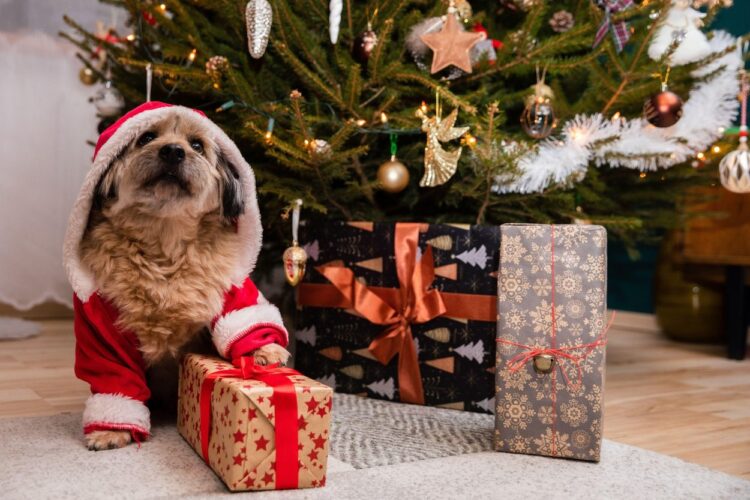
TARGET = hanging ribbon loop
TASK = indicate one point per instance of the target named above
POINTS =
(620, 31)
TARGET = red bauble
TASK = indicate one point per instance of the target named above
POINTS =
(663, 109)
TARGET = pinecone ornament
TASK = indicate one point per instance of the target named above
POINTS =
(562, 21)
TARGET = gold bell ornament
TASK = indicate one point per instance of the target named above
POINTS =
(734, 169)
(295, 257)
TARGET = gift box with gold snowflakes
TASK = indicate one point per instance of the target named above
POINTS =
(551, 339)
(401, 311)
(257, 427)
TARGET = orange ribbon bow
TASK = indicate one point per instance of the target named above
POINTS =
(415, 302)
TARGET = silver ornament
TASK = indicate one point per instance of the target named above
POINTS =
(108, 100)
(334, 19)
(258, 18)
(734, 169)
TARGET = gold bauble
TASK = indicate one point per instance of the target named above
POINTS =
(393, 176)
(87, 76)
(295, 260)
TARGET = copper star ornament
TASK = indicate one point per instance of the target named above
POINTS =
(451, 45)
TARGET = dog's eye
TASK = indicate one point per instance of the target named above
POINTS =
(146, 138)
(197, 146)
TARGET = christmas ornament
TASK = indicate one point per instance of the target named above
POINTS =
(712, 4)
(527, 4)
(258, 19)
(681, 27)
(87, 76)
(665, 108)
(439, 164)
(363, 45)
(419, 51)
(561, 21)
(319, 148)
(334, 19)
(216, 66)
(295, 257)
(486, 49)
(538, 117)
(463, 9)
(108, 100)
(451, 45)
(393, 176)
(620, 30)
(734, 169)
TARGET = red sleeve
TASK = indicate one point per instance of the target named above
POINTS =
(247, 322)
(106, 358)
(110, 362)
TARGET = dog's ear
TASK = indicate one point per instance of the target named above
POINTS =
(106, 188)
(232, 196)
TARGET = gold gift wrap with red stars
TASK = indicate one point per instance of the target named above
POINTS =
(233, 413)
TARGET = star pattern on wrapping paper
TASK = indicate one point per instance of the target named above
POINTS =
(313, 455)
(248, 482)
(312, 405)
(251, 413)
(451, 45)
(322, 410)
(261, 443)
(238, 459)
(301, 423)
(320, 442)
(239, 436)
(234, 398)
(267, 478)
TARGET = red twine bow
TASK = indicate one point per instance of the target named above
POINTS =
(562, 355)
(284, 401)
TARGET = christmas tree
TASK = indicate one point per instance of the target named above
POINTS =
(498, 111)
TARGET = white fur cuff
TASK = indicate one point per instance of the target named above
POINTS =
(232, 326)
(118, 411)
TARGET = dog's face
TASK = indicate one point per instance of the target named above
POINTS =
(172, 169)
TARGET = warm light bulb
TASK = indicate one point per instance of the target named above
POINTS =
(716, 149)
(700, 155)
(383, 118)
(163, 7)
(642, 175)
(361, 122)
(423, 107)
(130, 37)
(616, 116)
(191, 56)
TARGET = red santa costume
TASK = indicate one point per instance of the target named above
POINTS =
(109, 358)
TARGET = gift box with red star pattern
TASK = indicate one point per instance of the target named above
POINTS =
(241, 448)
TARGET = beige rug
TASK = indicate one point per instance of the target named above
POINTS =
(43, 457)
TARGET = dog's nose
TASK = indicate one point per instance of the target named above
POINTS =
(172, 153)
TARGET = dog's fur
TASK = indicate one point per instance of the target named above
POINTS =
(161, 243)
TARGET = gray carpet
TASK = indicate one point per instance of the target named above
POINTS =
(398, 450)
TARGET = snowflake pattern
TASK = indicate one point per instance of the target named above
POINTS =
(513, 285)
(516, 410)
(550, 414)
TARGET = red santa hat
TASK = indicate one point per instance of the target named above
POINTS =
(111, 143)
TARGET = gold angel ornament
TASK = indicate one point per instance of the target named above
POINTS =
(439, 164)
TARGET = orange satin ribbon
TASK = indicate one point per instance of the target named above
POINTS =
(398, 308)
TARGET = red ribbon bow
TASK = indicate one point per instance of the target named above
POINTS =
(285, 405)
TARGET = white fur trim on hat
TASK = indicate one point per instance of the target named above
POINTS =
(118, 411)
(248, 225)
(232, 326)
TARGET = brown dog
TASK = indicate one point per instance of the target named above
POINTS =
(161, 245)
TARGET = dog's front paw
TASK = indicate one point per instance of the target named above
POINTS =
(270, 354)
(107, 440)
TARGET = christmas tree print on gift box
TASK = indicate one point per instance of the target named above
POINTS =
(400, 311)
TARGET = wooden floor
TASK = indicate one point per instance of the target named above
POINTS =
(681, 400)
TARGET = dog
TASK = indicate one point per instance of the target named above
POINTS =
(161, 242)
